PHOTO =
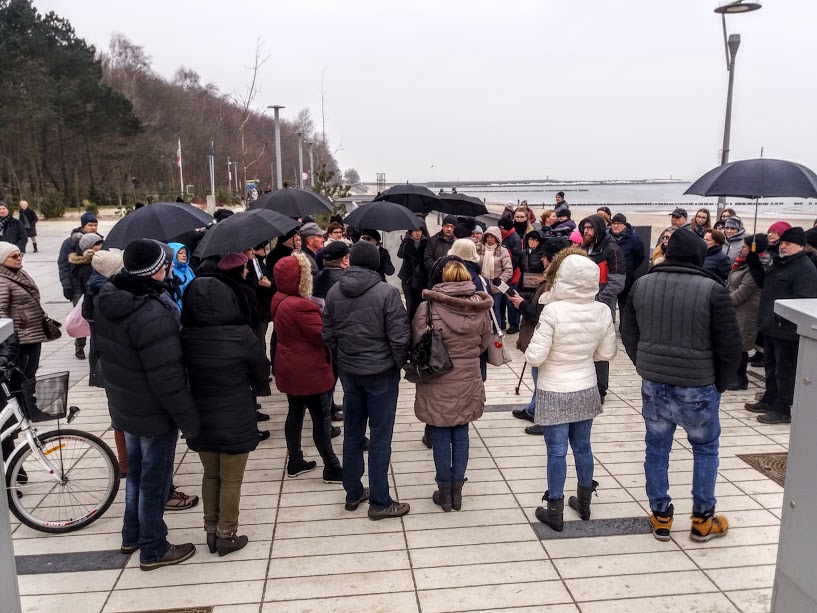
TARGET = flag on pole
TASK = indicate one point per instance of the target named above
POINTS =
(179, 154)
(212, 150)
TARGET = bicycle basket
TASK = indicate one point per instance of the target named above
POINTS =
(45, 398)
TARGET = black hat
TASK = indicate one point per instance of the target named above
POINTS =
(554, 245)
(606, 209)
(336, 250)
(619, 218)
(505, 224)
(562, 194)
(450, 219)
(288, 235)
(469, 222)
(686, 246)
(307, 219)
(761, 241)
(144, 257)
(436, 275)
(336, 219)
(365, 255)
(794, 235)
(679, 212)
(811, 237)
(372, 233)
(222, 214)
(462, 231)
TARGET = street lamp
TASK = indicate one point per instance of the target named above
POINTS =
(730, 46)
(278, 180)
(310, 144)
(300, 134)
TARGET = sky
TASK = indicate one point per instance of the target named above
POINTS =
(426, 90)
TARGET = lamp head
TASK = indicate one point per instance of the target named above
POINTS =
(738, 6)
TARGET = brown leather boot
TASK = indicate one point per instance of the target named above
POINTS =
(121, 452)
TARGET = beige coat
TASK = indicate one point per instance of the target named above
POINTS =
(457, 397)
(503, 265)
(745, 295)
(20, 300)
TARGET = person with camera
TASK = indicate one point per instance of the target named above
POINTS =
(496, 264)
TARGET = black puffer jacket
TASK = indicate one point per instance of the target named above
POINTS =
(679, 326)
(137, 331)
(790, 277)
(530, 261)
(326, 280)
(224, 360)
(436, 247)
(717, 262)
(365, 324)
(412, 255)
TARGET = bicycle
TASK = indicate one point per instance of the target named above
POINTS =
(61, 480)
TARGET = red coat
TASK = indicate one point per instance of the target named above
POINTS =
(303, 364)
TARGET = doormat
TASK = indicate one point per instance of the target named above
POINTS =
(773, 465)
(620, 526)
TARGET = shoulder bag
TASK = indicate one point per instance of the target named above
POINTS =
(429, 358)
(497, 352)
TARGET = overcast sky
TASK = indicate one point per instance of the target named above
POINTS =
(508, 89)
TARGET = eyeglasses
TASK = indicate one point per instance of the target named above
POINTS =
(16, 256)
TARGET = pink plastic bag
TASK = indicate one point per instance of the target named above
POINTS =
(75, 324)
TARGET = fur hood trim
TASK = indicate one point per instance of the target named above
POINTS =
(462, 302)
(305, 286)
(78, 259)
(553, 268)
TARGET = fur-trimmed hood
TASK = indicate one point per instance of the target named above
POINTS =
(459, 304)
(293, 275)
(80, 259)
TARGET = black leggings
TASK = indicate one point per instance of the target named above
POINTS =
(319, 408)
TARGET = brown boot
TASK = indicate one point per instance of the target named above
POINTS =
(121, 452)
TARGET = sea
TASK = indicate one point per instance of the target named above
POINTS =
(647, 197)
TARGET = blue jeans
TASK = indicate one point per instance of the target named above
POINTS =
(695, 409)
(450, 452)
(369, 399)
(531, 408)
(150, 472)
(556, 438)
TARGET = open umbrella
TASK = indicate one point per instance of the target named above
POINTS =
(161, 221)
(460, 204)
(243, 231)
(294, 202)
(415, 198)
(383, 215)
(757, 178)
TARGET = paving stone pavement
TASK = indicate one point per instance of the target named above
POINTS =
(306, 553)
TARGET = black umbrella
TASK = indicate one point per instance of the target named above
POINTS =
(415, 198)
(161, 221)
(294, 202)
(758, 178)
(243, 231)
(460, 204)
(383, 215)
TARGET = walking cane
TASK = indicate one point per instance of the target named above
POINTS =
(522, 374)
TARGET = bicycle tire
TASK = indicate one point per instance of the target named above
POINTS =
(49, 440)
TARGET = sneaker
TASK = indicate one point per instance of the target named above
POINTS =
(396, 509)
(756, 407)
(179, 501)
(80, 353)
(175, 555)
(263, 435)
(299, 467)
(773, 417)
(259, 416)
(333, 474)
(708, 526)
(662, 523)
(535, 429)
(522, 414)
(335, 432)
(352, 506)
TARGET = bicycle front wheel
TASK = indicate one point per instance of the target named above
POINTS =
(84, 486)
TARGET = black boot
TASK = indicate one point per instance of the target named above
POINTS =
(442, 496)
(456, 494)
(428, 437)
(211, 539)
(554, 515)
(35, 247)
(581, 502)
(741, 381)
(230, 544)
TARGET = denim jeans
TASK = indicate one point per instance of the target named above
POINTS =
(369, 399)
(556, 439)
(450, 452)
(695, 409)
(150, 472)
(531, 408)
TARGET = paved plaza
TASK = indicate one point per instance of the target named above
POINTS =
(306, 553)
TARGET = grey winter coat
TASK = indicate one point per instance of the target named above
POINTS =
(733, 245)
(365, 324)
(745, 295)
(461, 314)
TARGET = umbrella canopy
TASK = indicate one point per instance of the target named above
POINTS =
(415, 198)
(460, 204)
(758, 178)
(383, 215)
(244, 231)
(161, 221)
(294, 202)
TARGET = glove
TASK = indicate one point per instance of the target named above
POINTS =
(496, 281)
(68, 293)
(5, 362)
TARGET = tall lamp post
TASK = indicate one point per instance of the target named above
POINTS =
(278, 180)
(730, 46)
(300, 134)
(310, 144)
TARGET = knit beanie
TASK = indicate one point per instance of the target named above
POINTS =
(232, 260)
(779, 227)
(107, 263)
(811, 237)
(144, 257)
(450, 219)
(6, 249)
(436, 275)
(5, 206)
(761, 240)
(505, 224)
(478, 229)
(734, 222)
(619, 218)
(461, 231)
(464, 248)
(554, 245)
(89, 240)
(372, 233)
(87, 218)
(794, 235)
(365, 255)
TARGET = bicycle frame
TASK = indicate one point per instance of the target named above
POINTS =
(12, 409)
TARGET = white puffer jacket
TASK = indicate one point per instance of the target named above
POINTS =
(573, 330)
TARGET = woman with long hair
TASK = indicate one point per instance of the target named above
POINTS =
(701, 222)
(658, 254)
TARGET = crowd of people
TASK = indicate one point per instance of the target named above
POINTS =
(181, 344)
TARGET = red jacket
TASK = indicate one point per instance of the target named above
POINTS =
(303, 365)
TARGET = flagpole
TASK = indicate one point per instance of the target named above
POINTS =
(181, 172)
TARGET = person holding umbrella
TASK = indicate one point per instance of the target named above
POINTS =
(412, 273)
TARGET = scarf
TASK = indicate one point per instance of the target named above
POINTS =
(488, 261)
(521, 227)
(4, 223)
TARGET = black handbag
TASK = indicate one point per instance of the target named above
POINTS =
(429, 358)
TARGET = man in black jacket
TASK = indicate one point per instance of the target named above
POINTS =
(438, 245)
(70, 289)
(683, 374)
(792, 275)
(137, 328)
(366, 325)
(634, 254)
